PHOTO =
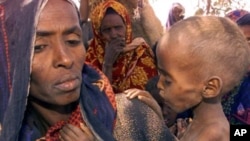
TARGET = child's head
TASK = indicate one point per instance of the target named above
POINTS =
(200, 59)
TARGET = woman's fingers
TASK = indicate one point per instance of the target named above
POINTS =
(72, 133)
(87, 131)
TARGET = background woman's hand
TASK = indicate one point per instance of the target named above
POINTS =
(113, 49)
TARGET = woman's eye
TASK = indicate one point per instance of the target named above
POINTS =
(39, 48)
(73, 42)
(106, 30)
(118, 27)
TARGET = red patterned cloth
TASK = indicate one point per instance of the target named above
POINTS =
(75, 119)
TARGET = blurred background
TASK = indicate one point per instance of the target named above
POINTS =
(195, 7)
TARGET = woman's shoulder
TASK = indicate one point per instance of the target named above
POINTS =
(138, 121)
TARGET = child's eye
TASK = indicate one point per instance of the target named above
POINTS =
(39, 48)
(167, 82)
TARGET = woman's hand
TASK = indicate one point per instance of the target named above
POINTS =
(112, 50)
(70, 132)
(146, 98)
(181, 126)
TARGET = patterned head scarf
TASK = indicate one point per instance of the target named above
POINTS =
(241, 17)
(99, 12)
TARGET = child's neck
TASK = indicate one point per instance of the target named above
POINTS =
(207, 111)
(205, 115)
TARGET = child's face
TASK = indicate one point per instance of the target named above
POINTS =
(177, 85)
(169, 115)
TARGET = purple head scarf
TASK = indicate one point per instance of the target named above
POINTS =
(240, 16)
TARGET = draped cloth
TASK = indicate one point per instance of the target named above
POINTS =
(18, 19)
(97, 106)
(236, 104)
(133, 68)
(240, 16)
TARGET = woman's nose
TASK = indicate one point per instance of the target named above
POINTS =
(113, 33)
(62, 58)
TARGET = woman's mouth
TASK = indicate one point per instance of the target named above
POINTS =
(68, 84)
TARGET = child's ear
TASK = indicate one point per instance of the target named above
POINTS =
(212, 87)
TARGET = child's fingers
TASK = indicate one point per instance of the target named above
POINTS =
(151, 102)
(41, 139)
(132, 93)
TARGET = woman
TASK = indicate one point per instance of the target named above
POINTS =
(176, 13)
(236, 104)
(51, 93)
(127, 63)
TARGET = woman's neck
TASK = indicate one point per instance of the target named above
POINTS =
(53, 113)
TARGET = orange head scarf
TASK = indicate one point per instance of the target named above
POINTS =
(129, 71)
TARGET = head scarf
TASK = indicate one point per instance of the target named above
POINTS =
(16, 46)
(97, 109)
(98, 14)
(241, 17)
(133, 68)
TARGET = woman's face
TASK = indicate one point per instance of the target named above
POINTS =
(112, 27)
(246, 31)
(177, 11)
(59, 55)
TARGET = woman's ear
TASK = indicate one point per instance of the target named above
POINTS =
(212, 87)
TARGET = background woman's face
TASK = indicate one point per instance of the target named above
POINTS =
(177, 11)
(246, 31)
(112, 27)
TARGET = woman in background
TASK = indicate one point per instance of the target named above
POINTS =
(127, 62)
(236, 104)
(175, 14)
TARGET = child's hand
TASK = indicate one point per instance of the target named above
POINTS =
(146, 98)
(70, 132)
(182, 125)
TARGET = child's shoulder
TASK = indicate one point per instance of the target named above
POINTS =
(215, 131)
